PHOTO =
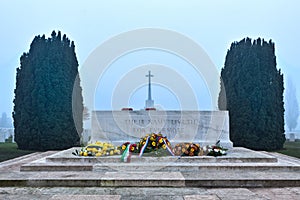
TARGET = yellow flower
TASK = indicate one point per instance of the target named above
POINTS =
(94, 150)
(160, 140)
(152, 138)
(98, 154)
(123, 147)
(183, 150)
(153, 143)
(192, 150)
(111, 152)
(164, 146)
(132, 149)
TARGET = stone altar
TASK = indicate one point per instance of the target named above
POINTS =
(204, 127)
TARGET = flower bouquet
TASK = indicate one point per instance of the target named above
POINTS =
(188, 149)
(98, 149)
(156, 143)
(216, 150)
(133, 148)
(127, 149)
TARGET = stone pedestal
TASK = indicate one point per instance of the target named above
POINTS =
(204, 127)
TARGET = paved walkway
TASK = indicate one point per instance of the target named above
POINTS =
(91, 193)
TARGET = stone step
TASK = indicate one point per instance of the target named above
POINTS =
(182, 167)
(153, 173)
(150, 179)
(136, 159)
(196, 167)
(235, 155)
(237, 160)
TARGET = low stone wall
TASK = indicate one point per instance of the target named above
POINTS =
(204, 127)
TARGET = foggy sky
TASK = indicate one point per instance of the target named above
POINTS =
(213, 24)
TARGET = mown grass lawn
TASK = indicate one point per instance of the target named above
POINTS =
(291, 149)
(10, 150)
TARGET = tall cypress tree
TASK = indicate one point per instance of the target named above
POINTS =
(252, 92)
(48, 102)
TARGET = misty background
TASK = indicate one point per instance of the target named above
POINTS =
(214, 25)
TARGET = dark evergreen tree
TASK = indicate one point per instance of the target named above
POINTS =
(48, 102)
(252, 92)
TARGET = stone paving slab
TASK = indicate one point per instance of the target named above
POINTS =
(85, 197)
(74, 193)
(201, 197)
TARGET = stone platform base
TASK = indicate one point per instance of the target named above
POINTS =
(240, 168)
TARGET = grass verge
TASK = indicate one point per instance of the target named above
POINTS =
(291, 149)
(10, 151)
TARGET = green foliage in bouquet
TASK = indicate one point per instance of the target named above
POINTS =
(216, 150)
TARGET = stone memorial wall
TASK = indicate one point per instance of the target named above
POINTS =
(204, 127)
